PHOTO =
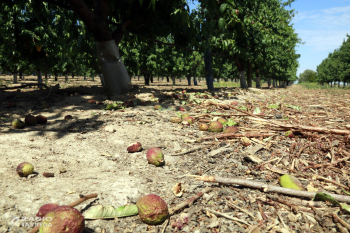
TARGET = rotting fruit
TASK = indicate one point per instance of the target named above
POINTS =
(152, 209)
(155, 156)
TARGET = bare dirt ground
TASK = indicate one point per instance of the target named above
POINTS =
(88, 155)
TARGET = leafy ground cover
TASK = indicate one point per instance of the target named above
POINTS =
(211, 182)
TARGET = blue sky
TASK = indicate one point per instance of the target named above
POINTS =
(322, 25)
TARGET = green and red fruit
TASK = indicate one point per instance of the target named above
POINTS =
(175, 120)
(157, 107)
(18, 124)
(215, 126)
(45, 209)
(155, 156)
(289, 134)
(234, 103)
(41, 119)
(189, 119)
(231, 129)
(92, 101)
(182, 109)
(63, 219)
(203, 127)
(186, 123)
(152, 209)
(134, 147)
(184, 115)
(24, 169)
(30, 120)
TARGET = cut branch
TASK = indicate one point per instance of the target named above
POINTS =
(238, 135)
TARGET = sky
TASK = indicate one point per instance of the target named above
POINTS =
(322, 25)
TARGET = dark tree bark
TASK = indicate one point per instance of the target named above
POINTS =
(209, 69)
(147, 78)
(249, 74)
(241, 69)
(167, 79)
(189, 79)
(269, 82)
(257, 77)
(151, 78)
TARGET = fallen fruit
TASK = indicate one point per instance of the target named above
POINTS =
(175, 120)
(189, 119)
(68, 117)
(92, 101)
(231, 129)
(18, 124)
(41, 119)
(152, 209)
(215, 126)
(24, 169)
(182, 109)
(45, 209)
(234, 103)
(110, 106)
(289, 134)
(184, 115)
(62, 219)
(246, 141)
(203, 127)
(155, 156)
(222, 120)
(157, 107)
(291, 182)
(185, 123)
(134, 147)
(30, 120)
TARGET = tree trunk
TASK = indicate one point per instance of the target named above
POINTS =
(66, 77)
(339, 84)
(138, 78)
(84, 77)
(249, 74)
(151, 78)
(180, 79)
(209, 70)
(113, 69)
(40, 78)
(269, 82)
(146, 77)
(20, 75)
(257, 78)
(102, 80)
(93, 77)
(72, 75)
(56, 77)
(173, 78)
(242, 79)
(189, 79)
(158, 78)
(231, 80)
(14, 77)
(274, 82)
(167, 79)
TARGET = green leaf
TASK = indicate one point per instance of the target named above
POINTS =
(223, 7)
(273, 106)
(106, 212)
(229, 122)
(325, 197)
(345, 191)
(345, 207)
(256, 111)
(295, 107)
(221, 23)
(242, 108)
(183, 102)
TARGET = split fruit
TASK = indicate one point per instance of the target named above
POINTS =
(291, 182)
(155, 156)
(152, 209)
(18, 124)
(31, 120)
(63, 219)
(185, 123)
(231, 129)
(24, 169)
(157, 107)
(175, 120)
(134, 147)
(41, 119)
(203, 127)
(46, 209)
(189, 119)
(215, 126)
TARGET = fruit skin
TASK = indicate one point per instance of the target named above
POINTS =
(246, 141)
(175, 119)
(92, 101)
(41, 119)
(24, 169)
(155, 156)
(215, 126)
(234, 103)
(157, 107)
(289, 134)
(288, 181)
(189, 119)
(203, 127)
(184, 115)
(30, 120)
(222, 120)
(185, 123)
(134, 147)
(152, 209)
(18, 124)
(231, 129)
(182, 109)
(63, 219)
(46, 209)
(68, 117)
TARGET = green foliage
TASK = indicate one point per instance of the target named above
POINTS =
(307, 76)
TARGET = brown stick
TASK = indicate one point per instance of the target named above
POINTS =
(77, 202)
(328, 164)
(333, 182)
(238, 135)
(189, 201)
(347, 226)
(291, 205)
(267, 188)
